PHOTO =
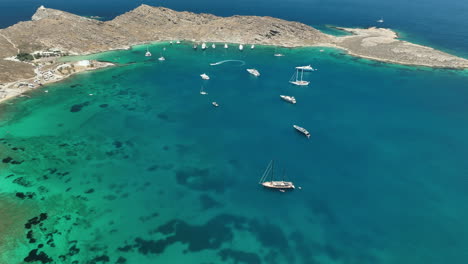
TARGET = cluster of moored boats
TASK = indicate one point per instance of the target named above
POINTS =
(204, 46)
(268, 179)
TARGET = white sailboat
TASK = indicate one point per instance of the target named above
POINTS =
(241, 47)
(204, 76)
(296, 79)
(213, 46)
(202, 91)
(148, 53)
(268, 179)
(225, 46)
(203, 46)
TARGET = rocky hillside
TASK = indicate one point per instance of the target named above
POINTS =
(51, 28)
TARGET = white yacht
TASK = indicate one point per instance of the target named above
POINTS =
(148, 53)
(268, 179)
(306, 68)
(302, 130)
(253, 46)
(241, 47)
(254, 72)
(288, 98)
(204, 76)
(225, 46)
(298, 81)
(203, 46)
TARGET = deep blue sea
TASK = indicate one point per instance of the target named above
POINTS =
(131, 164)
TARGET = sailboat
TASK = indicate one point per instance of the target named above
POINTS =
(277, 54)
(268, 180)
(147, 54)
(203, 46)
(202, 91)
(241, 47)
(298, 81)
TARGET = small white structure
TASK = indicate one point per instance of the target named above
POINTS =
(41, 7)
(83, 63)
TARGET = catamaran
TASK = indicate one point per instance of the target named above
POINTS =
(241, 47)
(306, 68)
(298, 81)
(288, 98)
(254, 72)
(225, 46)
(147, 54)
(268, 181)
(203, 46)
(302, 130)
(204, 76)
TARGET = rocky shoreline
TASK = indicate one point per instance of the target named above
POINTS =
(53, 30)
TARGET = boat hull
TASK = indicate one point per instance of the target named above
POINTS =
(278, 185)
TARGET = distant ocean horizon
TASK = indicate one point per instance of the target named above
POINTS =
(131, 164)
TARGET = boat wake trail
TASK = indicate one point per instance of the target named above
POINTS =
(224, 61)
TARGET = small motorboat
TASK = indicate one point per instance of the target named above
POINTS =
(253, 46)
(161, 58)
(178, 42)
(254, 72)
(241, 47)
(288, 98)
(225, 46)
(278, 55)
(195, 46)
(213, 46)
(203, 46)
(215, 104)
(204, 76)
(306, 68)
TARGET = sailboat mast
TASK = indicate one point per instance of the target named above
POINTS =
(272, 170)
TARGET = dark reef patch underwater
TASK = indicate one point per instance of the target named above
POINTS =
(132, 165)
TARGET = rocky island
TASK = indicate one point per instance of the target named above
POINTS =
(53, 33)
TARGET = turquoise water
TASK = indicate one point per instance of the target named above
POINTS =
(132, 165)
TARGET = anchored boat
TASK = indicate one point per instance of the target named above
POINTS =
(268, 179)
(254, 72)
(302, 130)
(306, 68)
(296, 79)
(288, 98)
(203, 46)
(204, 76)
(147, 54)
(241, 47)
